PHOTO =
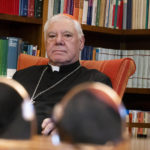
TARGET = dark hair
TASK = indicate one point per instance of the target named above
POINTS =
(90, 117)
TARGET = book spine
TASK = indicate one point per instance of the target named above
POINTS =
(102, 13)
(56, 8)
(98, 12)
(38, 8)
(30, 8)
(50, 8)
(24, 8)
(94, 11)
(89, 13)
(76, 9)
(129, 14)
(85, 10)
(147, 12)
(80, 11)
(12, 56)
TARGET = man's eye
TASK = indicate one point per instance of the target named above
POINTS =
(67, 35)
(52, 36)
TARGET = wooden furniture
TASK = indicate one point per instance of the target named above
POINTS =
(44, 143)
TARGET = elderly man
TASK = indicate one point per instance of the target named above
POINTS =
(47, 84)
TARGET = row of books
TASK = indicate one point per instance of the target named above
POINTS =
(137, 116)
(10, 48)
(30, 8)
(118, 14)
(140, 79)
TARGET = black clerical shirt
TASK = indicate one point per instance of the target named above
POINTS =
(45, 102)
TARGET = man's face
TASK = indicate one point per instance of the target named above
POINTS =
(62, 43)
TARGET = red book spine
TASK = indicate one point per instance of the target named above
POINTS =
(121, 15)
(16, 12)
(30, 8)
(65, 6)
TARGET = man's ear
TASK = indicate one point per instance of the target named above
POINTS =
(82, 41)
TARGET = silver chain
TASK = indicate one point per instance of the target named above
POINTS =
(33, 95)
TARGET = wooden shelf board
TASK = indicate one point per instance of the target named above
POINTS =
(138, 125)
(143, 32)
(101, 30)
(13, 18)
(138, 90)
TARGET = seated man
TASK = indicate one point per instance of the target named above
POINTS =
(47, 84)
(90, 115)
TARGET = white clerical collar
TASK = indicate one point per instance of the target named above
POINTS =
(55, 68)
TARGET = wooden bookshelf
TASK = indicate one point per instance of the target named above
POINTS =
(28, 28)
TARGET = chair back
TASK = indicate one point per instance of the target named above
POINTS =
(118, 70)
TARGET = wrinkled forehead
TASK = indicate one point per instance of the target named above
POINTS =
(62, 25)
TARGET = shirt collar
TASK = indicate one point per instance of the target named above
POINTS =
(65, 68)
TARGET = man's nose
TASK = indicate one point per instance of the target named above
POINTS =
(59, 38)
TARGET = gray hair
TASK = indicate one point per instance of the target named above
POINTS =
(60, 16)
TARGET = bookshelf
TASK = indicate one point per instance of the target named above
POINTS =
(28, 28)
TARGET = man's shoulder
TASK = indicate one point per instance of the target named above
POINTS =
(96, 75)
(30, 70)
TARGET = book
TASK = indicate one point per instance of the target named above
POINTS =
(140, 69)
(50, 8)
(145, 69)
(85, 11)
(110, 14)
(102, 13)
(129, 14)
(98, 12)
(12, 56)
(38, 10)
(89, 13)
(71, 10)
(1, 57)
(30, 8)
(76, 9)
(120, 16)
(23, 8)
(147, 12)
(124, 24)
(4, 47)
(61, 6)
(65, 6)
(135, 75)
(107, 13)
(56, 9)
(80, 11)
(94, 11)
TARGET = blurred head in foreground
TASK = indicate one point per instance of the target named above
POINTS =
(89, 114)
(16, 110)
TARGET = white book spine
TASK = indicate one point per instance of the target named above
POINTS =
(50, 8)
(85, 11)
(135, 75)
(130, 55)
(145, 69)
(148, 80)
(94, 11)
(140, 69)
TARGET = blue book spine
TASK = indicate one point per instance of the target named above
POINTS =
(12, 56)
(89, 14)
(24, 8)
(129, 14)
